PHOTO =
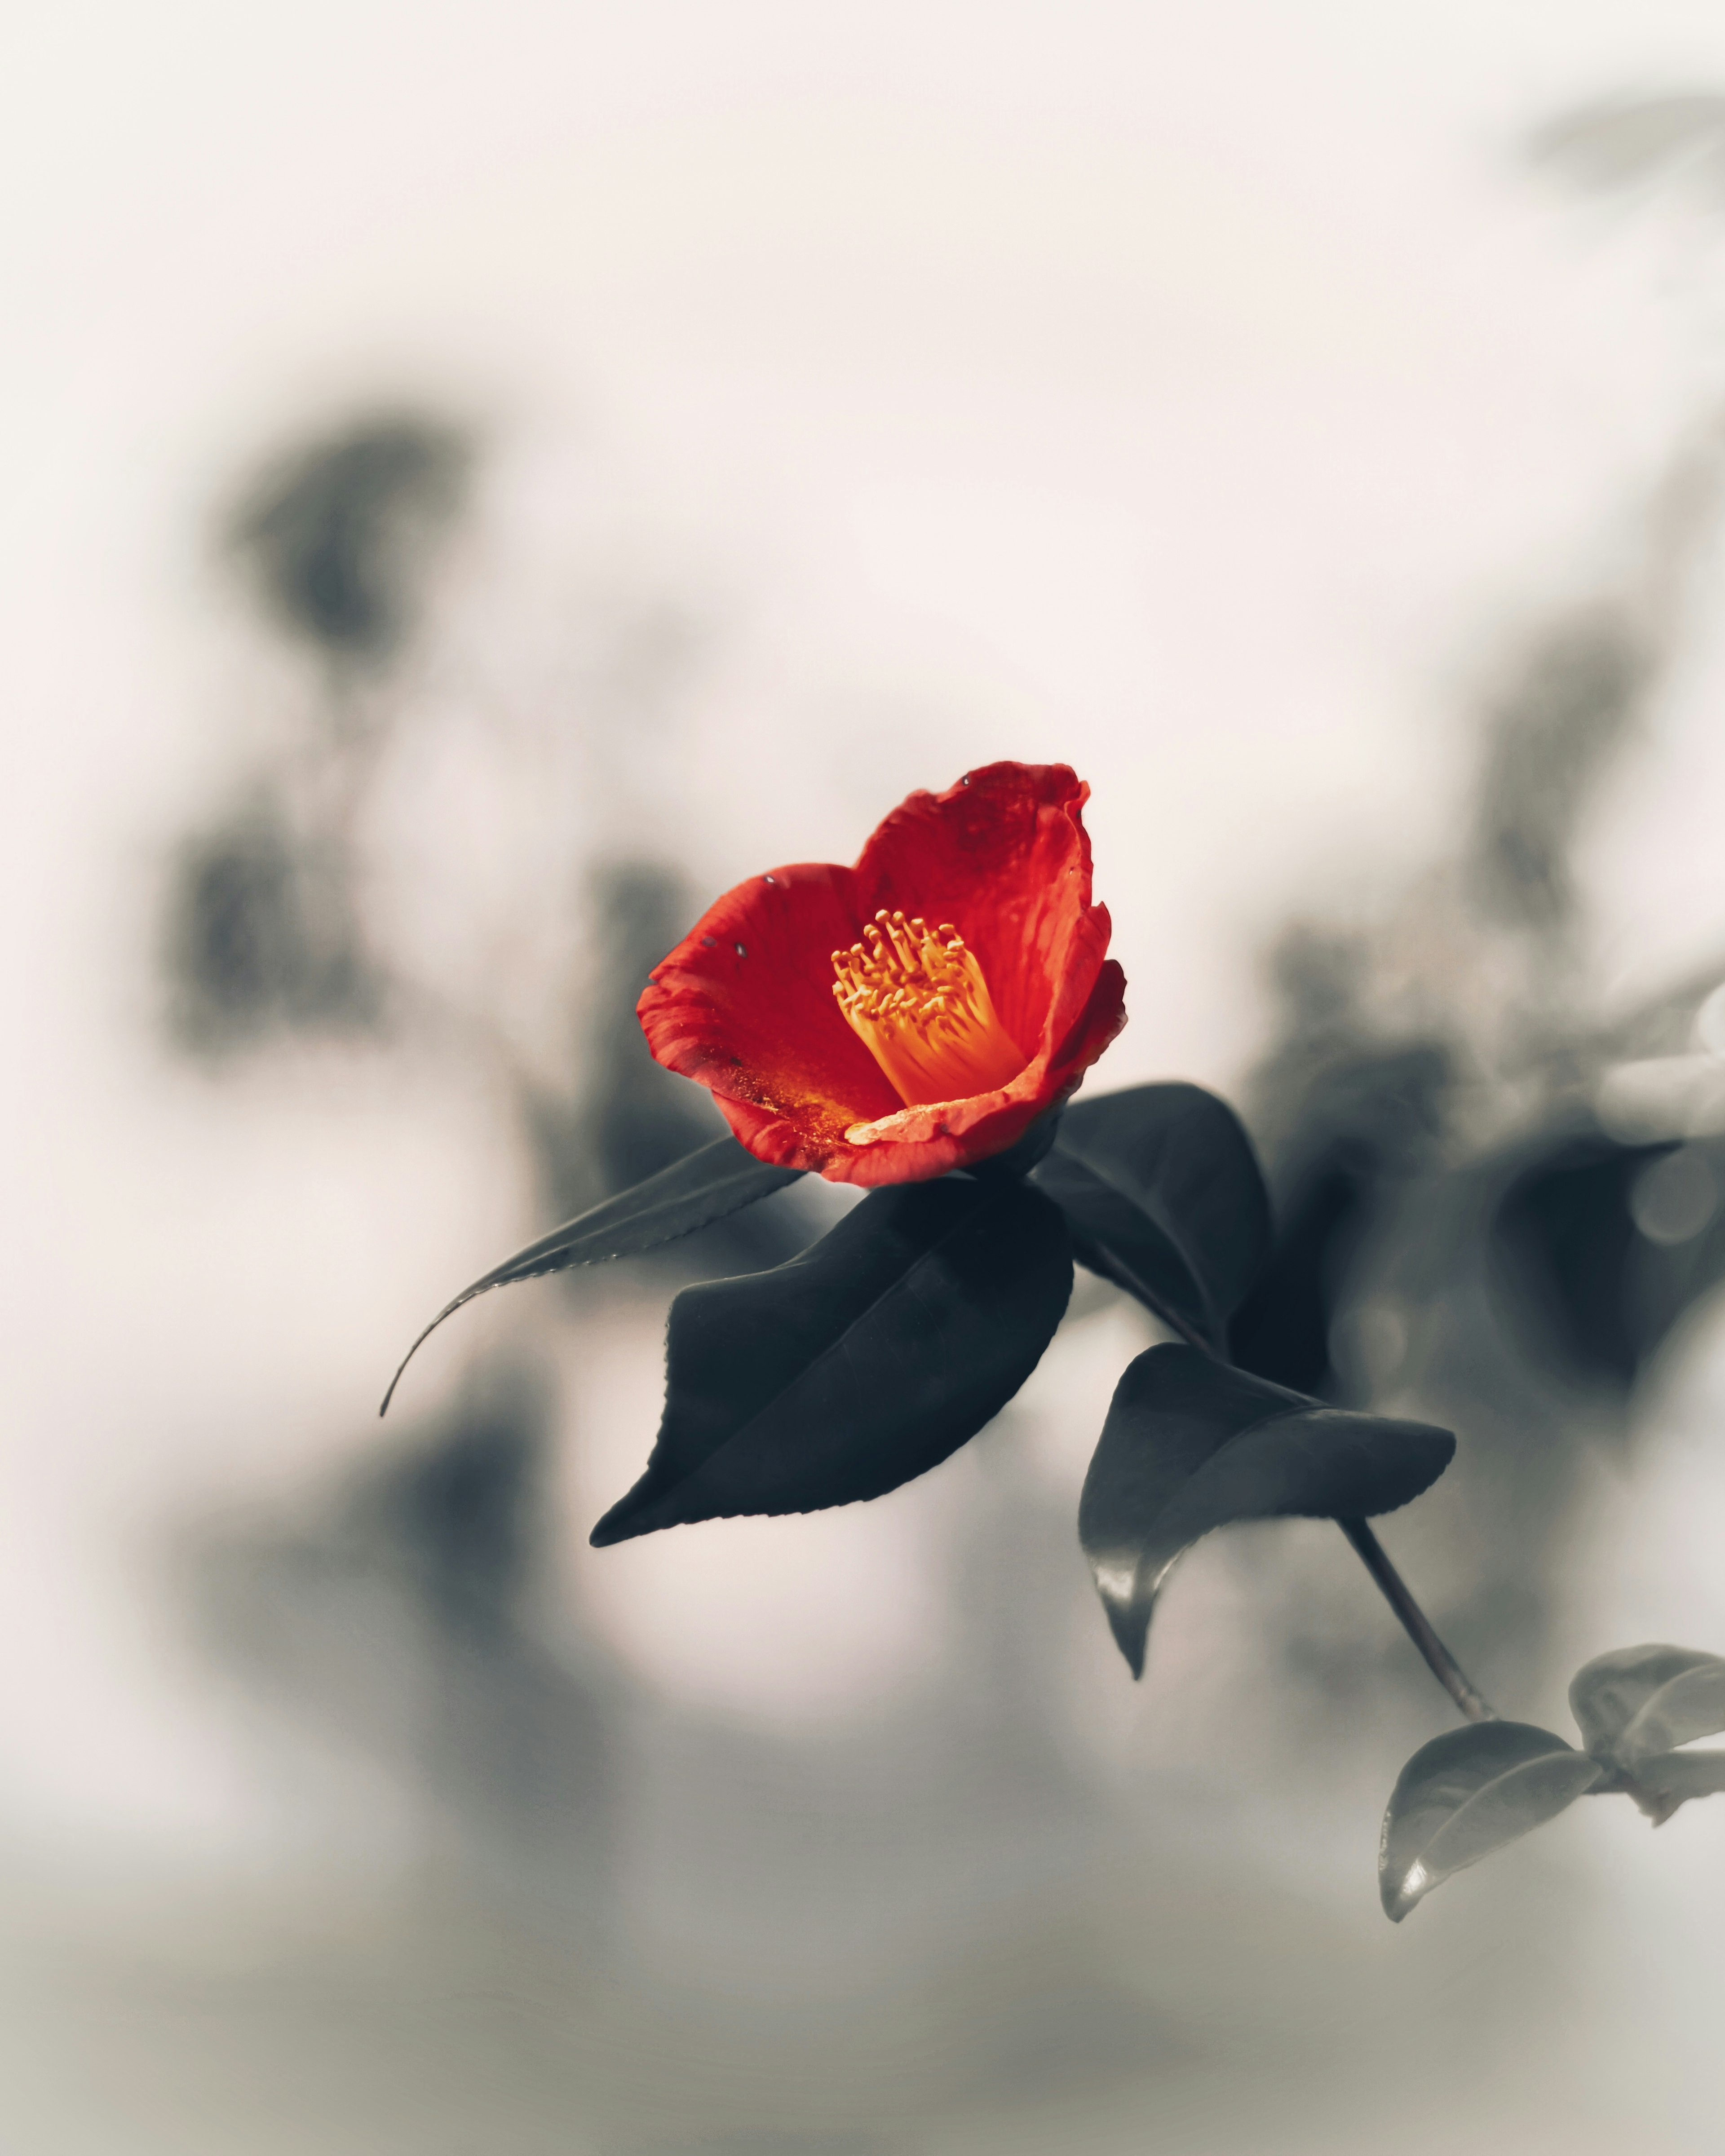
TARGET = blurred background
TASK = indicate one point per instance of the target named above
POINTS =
(482, 481)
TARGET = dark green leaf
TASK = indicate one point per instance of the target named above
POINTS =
(1190, 1445)
(1467, 1793)
(1640, 1701)
(692, 1192)
(860, 1364)
(1164, 1197)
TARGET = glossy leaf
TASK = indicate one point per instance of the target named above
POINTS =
(692, 1193)
(1190, 1445)
(859, 1364)
(1638, 1702)
(1165, 1197)
(1467, 1793)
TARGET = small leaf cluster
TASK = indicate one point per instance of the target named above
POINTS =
(1470, 1791)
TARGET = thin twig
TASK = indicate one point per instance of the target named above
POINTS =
(1418, 1626)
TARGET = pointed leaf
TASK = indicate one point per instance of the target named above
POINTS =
(692, 1192)
(860, 1364)
(1190, 1443)
(1165, 1199)
(1641, 1701)
(1467, 1793)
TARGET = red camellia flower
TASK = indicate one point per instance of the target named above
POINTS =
(885, 1022)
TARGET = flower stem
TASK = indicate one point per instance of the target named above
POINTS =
(1442, 1664)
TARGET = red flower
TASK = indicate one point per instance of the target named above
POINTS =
(915, 1013)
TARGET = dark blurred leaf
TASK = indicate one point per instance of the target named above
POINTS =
(1640, 1701)
(1622, 140)
(691, 1193)
(859, 1364)
(1551, 734)
(1367, 1124)
(460, 1505)
(1564, 1240)
(1163, 1195)
(334, 533)
(262, 935)
(1282, 1330)
(1190, 1445)
(1467, 1793)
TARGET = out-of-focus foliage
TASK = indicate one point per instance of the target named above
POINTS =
(1549, 740)
(1364, 1125)
(336, 534)
(406, 1614)
(263, 937)
(1620, 141)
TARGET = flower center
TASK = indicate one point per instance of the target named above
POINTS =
(918, 999)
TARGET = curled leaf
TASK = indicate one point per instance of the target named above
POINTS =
(1638, 1701)
(1467, 1793)
(859, 1364)
(1190, 1445)
(705, 1186)
(1165, 1197)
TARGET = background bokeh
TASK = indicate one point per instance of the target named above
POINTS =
(479, 481)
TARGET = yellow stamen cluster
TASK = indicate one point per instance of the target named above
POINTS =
(917, 997)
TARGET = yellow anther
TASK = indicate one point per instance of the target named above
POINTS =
(917, 997)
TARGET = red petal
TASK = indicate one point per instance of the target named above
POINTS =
(745, 1004)
(1003, 856)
